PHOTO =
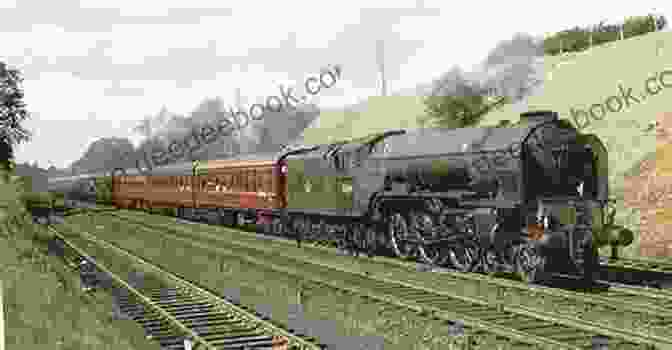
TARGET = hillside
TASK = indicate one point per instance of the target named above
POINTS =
(650, 190)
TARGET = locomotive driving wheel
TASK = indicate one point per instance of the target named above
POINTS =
(422, 229)
(399, 235)
(464, 257)
(466, 254)
(529, 263)
(371, 237)
(359, 242)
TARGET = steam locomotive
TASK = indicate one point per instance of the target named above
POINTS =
(529, 199)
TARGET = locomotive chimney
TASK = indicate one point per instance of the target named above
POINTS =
(538, 116)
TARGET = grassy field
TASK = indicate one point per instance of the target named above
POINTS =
(45, 307)
(331, 315)
(573, 81)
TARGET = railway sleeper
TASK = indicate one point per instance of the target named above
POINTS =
(130, 306)
(202, 315)
(251, 341)
(171, 294)
(214, 317)
(162, 326)
(160, 291)
(193, 298)
(192, 311)
(210, 331)
(208, 318)
(139, 313)
(188, 306)
(172, 342)
(144, 319)
(233, 333)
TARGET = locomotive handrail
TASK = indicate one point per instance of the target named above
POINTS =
(298, 151)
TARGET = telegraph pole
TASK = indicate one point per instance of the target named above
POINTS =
(381, 66)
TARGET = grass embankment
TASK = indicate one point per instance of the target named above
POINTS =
(473, 287)
(573, 81)
(331, 315)
(44, 306)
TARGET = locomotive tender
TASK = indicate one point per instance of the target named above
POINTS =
(526, 199)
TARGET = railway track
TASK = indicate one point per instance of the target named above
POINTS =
(439, 296)
(178, 313)
(650, 272)
(645, 271)
(658, 300)
(648, 264)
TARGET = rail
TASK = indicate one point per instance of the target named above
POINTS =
(243, 326)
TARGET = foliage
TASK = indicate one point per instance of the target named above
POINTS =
(504, 123)
(12, 113)
(36, 199)
(579, 39)
(104, 189)
(454, 111)
(460, 111)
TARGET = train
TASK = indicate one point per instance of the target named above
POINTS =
(530, 198)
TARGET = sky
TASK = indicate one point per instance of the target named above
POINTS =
(94, 70)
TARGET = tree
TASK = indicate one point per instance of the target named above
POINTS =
(456, 102)
(12, 113)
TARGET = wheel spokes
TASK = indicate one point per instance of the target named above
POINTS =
(530, 264)
(422, 225)
(398, 232)
(464, 258)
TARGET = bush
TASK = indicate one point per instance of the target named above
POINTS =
(578, 39)
(36, 199)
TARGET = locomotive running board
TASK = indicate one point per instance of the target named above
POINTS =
(433, 241)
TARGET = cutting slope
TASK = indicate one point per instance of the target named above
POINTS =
(650, 191)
